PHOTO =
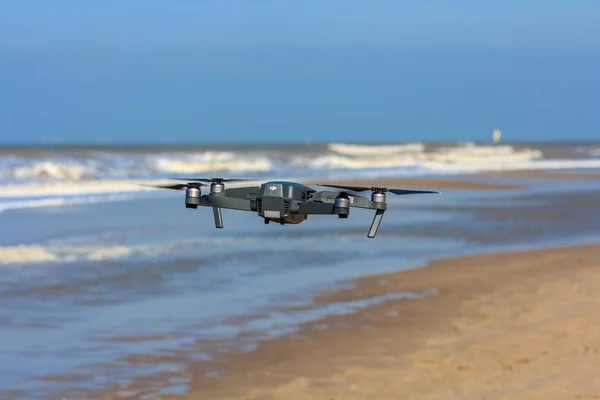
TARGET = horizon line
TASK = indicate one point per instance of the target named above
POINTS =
(296, 143)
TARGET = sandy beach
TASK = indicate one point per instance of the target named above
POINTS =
(521, 325)
(157, 304)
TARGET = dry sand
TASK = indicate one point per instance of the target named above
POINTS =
(523, 325)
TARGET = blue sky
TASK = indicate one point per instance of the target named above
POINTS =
(263, 71)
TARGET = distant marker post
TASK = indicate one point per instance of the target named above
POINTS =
(497, 135)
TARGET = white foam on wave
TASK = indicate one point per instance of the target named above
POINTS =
(523, 165)
(107, 166)
(35, 253)
(467, 155)
(357, 149)
(57, 183)
(59, 201)
(83, 188)
(209, 161)
(48, 170)
(336, 161)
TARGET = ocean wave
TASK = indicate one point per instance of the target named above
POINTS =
(499, 165)
(48, 170)
(104, 166)
(466, 155)
(357, 149)
(29, 190)
(210, 161)
(339, 156)
(337, 162)
(59, 201)
(86, 172)
(36, 253)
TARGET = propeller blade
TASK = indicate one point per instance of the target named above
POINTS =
(395, 191)
(178, 186)
(352, 188)
(212, 179)
(408, 191)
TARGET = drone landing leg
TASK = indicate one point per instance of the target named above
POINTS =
(218, 217)
(375, 224)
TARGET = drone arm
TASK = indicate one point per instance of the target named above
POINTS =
(315, 208)
(242, 192)
(363, 202)
(218, 201)
(355, 200)
(222, 201)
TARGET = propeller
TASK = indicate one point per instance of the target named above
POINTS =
(379, 189)
(215, 180)
(178, 186)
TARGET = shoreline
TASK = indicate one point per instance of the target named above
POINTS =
(318, 363)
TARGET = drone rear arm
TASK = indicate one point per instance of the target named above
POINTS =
(355, 200)
(242, 192)
(221, 201)
(329, 198)
(315, 208)
(218, 201)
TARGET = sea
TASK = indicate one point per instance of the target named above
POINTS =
(112, 287)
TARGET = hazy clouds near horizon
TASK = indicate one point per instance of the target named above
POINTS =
(147, 71)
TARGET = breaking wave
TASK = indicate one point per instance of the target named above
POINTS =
(467, 156)
(210, 161)
(46, 177)
(36, 253)
(357, 149)
(117, 166)
(254, 161)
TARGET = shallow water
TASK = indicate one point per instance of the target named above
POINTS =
(133, 288)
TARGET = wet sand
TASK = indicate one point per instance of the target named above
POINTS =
(520, 325)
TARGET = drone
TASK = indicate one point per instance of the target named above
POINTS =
(285, 202)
